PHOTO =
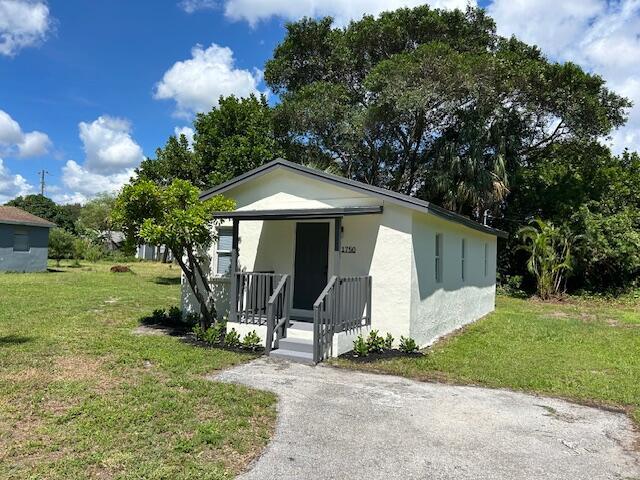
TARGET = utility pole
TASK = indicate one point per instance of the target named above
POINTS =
(42, 173)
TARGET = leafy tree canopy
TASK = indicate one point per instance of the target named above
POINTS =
(431, 103)
(174, 216)
(232, 138)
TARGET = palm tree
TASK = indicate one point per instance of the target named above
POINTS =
(550, 260)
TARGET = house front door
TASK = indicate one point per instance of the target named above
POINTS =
(311, 264)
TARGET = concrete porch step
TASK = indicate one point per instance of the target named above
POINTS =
(292, 355)
(296, 344)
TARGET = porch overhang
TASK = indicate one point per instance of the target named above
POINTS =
(299, 214)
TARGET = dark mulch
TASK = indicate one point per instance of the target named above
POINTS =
(191, 339)
(386, 355)
(120, 269)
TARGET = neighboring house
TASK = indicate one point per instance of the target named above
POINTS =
(24, 241)
(320, 259)
(153, 252)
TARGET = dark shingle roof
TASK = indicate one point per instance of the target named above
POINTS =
(17, 216)
(405, 200)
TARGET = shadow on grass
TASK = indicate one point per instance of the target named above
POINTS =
(167, 280)
(14, 340)
(55, 270)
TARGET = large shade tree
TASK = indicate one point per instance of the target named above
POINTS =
(431, 103)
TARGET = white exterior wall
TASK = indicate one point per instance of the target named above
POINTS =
(440, 308)
(396, 248)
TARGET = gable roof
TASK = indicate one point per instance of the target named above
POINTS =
(17, 216)
(393, 197)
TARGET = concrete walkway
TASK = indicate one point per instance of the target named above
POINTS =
(339, 424)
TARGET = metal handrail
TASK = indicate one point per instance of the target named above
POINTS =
(278, 314)
(344, 304)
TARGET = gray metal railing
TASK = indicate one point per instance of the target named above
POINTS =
(278, 314)
(253, 291)
(343, 305)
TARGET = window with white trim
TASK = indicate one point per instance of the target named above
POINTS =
(223, 250)
(438, 257)
(486, 259)
(21, 240)
(463, 254)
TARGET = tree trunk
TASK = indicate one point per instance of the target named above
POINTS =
(207, 318)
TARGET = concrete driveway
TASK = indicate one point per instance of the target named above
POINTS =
(339, 424)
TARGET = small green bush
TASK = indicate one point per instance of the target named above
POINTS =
(388, 342)
(251, 341)
(408, 345)
(174, 316)
(159, 315)
(360, 347)
(232, 338)
(375, 343)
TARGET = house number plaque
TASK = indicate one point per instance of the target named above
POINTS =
(348, 249)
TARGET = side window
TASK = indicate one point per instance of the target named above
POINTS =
(486, 259)
(21, 240)
(223, 250)
(463, 255)
(438, 257)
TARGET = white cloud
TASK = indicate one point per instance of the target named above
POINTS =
(16, 142)
(85, 184)
(111, 155)
(108, 145)
(254, 11)
(23, 23)
(34, 144)
(197, 83)
(187, 132)
(12, 185)
(191, 6)
(599, 35)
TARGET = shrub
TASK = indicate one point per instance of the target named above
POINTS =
(60, 244)
(360, 347)
(251, 341)
(93, 253)
(158, 315)
(375, 343)
(199, 332)
(174, 316)
(408, 345)
(232, 338)
(388, 342)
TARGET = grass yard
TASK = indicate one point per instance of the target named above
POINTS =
(83, 397)
(583, 350)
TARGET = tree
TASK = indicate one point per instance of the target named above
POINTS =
(550, 260)
(95, 220)
(231, 139)
(46, 208)
(61, 244)
(431, 103)
(174, 216)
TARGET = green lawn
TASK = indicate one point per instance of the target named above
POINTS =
(587, 351)
(81, 396)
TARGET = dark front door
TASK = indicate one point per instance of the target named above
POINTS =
(311, 263)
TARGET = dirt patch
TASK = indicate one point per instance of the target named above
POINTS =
(557, 315)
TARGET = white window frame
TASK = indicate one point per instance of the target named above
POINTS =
(463, 262)
(25, 233)
(439, 264)
(220, 252)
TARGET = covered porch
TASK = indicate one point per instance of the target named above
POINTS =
(297, 277)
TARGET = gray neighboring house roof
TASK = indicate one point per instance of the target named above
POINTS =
(17, 216)
(394, 197)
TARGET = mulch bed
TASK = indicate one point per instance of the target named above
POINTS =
(386, 355)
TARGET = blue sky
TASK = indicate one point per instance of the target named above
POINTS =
(87, 88)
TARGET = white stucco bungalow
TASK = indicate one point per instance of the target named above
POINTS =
(316, 259)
